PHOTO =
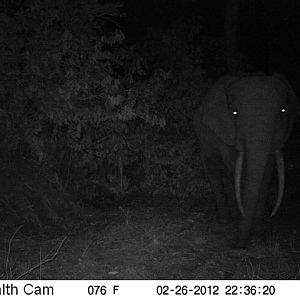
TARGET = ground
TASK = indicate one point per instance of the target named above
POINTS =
(157, 238)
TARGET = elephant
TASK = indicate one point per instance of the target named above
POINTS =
(242, 125)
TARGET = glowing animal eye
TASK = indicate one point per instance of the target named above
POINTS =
(283, 110)
(234, 113)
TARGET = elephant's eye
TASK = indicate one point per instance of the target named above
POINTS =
(283, 110)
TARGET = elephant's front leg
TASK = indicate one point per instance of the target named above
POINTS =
(215, 176)
(231, 200)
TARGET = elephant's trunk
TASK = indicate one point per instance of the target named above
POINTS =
(238, 175)
(280, 173)
(254, 176)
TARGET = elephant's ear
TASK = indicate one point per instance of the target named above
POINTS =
(293, 107)
(215, 113)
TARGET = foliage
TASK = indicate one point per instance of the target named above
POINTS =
(68, 93)
(178, 84)
(103, 119)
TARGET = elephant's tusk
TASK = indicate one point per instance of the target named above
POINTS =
(238, 175)
(280, 173)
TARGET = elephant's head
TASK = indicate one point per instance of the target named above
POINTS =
(255, 114)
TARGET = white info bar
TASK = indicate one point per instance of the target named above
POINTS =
(150, 289)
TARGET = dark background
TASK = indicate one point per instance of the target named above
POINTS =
(268, 31)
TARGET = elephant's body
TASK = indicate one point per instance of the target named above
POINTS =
(245, 119)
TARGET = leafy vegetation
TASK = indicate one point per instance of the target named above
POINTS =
(101, 118)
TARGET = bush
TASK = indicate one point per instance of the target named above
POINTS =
(68, 96)
(99, 117)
